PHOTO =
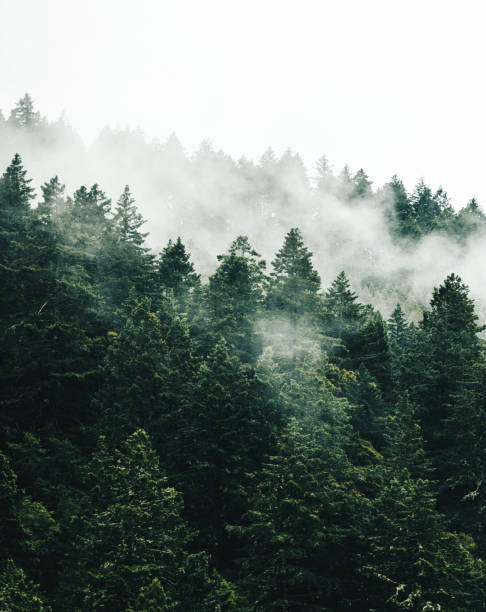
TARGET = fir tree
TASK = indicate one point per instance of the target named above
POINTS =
(23, 114)
(294, 283)
(175, 272)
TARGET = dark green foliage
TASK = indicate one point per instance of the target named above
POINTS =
(124, 263)
(413, 563)
(17, 593)
(129, 532)
(291, 450)
(294, 283)
(399, 339)
(401, 217)
(404, 444)
(227, 427)
(449, 347)
(175, 273)
(298, 528)
(234, 293)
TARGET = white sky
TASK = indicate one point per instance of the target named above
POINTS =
(389, 85)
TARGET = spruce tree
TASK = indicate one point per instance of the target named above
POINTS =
(175, 273)
(294, 283)
(129, 531)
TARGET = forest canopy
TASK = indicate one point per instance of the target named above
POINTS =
(241, 435)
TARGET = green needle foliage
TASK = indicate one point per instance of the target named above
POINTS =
(176, 436)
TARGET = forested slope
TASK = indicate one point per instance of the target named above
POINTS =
(250, 440)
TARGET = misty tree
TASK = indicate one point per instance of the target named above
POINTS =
(469, 220)
(125, 265)
(323, 177)
(294, 283)
(175, 272)
(54, 201)
(23, 114)
(345, 185)
(362, 185)
(342, 314)
(234, 294)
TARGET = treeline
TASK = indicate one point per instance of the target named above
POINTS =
(245, 443)
(209, 191)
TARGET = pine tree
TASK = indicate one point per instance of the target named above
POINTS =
(461, 461)
(404, 444)
(426, 208)
(402, 218)
(15, 194)
(175, 272)
(374, 352)
(130, 531)
(298, 539)
(342, 319)
(294, 283)
(124, 263)
(145, 376)
(227, 427)
(324, 178)
(367, 408)
(399, 342)
(17, 593)
(54, 203)
(413, 563)
(362, 185)
(128, 220)
(449, 348)
(234, 294)
(23, 114)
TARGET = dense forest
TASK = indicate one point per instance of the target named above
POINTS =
(176, 436)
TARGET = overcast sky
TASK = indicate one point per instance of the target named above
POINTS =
(391, 86)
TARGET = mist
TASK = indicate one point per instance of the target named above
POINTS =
(208, 198)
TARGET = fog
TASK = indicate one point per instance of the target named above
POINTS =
(208, 198)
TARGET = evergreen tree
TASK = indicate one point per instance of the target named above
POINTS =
(404, 444)
(362, 185)
(234, 294)
(469, 220)
(413, 563)
(129, 532)
(399, 342)
(294, 283)
(17, 593)
(124, 263)
(23, 114)
(373, 351)
(15, 194)
(367, 409)
(461, 462)
(54, 203)
(228, 426)
(324, 178)
(449, 348)
(342, 319)
(299, 526)
(128, 220)
(402, 218)
(175, 272)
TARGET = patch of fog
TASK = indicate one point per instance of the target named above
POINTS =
(208, 199)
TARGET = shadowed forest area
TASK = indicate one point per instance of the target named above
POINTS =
(189, 430)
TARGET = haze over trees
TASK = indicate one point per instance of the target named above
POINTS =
(246, 437)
